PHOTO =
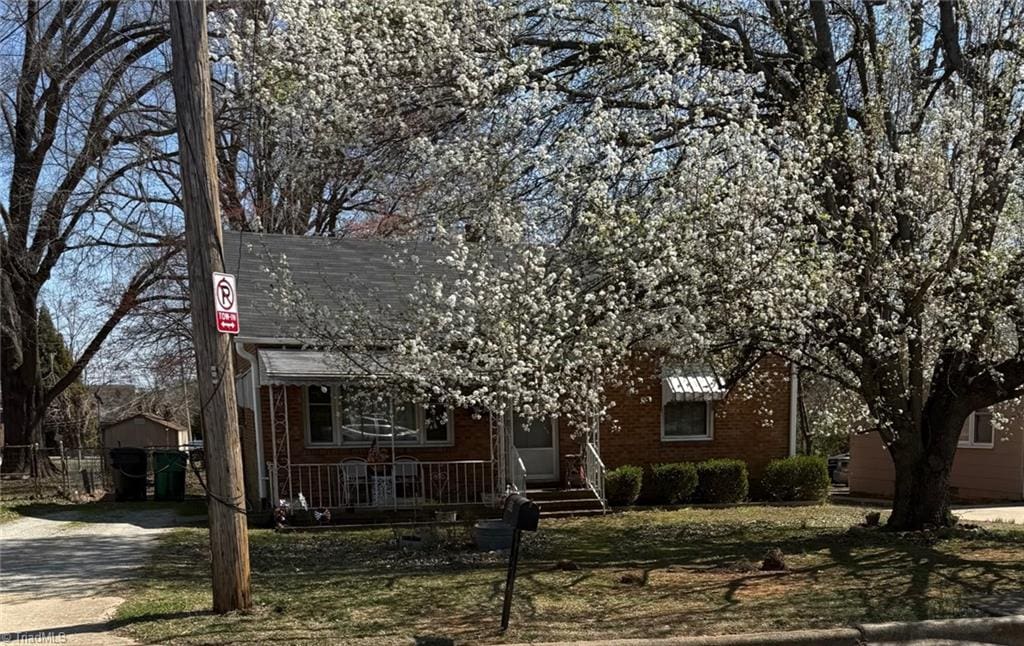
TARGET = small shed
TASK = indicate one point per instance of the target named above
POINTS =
(144, 430)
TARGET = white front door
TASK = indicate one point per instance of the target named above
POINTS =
(537, 444)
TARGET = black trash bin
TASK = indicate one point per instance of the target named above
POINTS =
(129, 470)
(169, 474)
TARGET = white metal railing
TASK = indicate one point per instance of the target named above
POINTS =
(392, 485)
(594, 472)
(517, 478)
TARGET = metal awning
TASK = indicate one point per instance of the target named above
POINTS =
(692, 385)
(315, 367)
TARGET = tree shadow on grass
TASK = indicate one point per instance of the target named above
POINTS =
(836, 577)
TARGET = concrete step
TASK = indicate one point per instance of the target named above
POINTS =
(577, 513)
(574, 504)
(541, 495)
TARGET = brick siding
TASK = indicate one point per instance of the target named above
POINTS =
(751, 424)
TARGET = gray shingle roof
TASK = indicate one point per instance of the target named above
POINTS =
(334, 273)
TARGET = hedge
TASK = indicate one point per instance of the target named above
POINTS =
(672, 483)
(801, 477)
(722, 481)
(622, 485)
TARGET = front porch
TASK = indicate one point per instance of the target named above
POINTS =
(406, 483)
(322, 447)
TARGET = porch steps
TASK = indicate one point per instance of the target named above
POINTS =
(557, 503)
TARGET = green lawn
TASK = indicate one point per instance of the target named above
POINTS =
(687, 572)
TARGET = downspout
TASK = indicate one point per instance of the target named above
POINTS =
(257, 406)
(794, 399)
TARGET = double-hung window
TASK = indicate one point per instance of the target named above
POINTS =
(337, 416)
(319, 416)
(977, 432)
(687, 420)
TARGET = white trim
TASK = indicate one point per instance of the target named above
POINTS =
(336, 413)
(971, 425)
(709, 423)
(421, 427)
(794, 406)
(257, 417)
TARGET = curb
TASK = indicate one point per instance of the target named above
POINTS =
(831, 637)
(1006, 631)
(1003, 631)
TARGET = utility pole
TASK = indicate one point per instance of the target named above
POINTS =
(229, 536)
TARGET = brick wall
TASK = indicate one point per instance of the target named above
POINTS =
(751, 423)
(471, 437)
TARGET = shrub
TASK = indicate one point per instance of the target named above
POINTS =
(622, 485)
(721, 481)
(801, 477)
(672, 483)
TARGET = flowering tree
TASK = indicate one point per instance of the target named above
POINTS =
(917, 133)
(836, 181)
(584, 201)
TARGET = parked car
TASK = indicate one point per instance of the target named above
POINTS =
(839, 468)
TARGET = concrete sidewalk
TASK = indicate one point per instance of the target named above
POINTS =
(59, 574)
(1004, 631)
(991, 513)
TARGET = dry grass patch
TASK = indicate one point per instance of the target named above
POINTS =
(640, 574)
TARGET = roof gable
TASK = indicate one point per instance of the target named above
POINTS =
(337, 274)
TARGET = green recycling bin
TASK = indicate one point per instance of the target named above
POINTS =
(169, 474)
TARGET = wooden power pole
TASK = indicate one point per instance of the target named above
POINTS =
(229, 537)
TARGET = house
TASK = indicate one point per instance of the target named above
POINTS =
(305, 431)
(989, 462)
(143, 430)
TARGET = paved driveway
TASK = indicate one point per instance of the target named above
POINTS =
(992, 513)
(58, 573)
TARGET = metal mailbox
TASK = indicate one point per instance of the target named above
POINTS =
(521, 513)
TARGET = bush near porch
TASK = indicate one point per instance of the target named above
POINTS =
(640, 574)
(800, 477)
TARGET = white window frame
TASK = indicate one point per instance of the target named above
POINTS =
(307, 429)
(336, 413)
(970, 443)
(709, 430)
(421, 428)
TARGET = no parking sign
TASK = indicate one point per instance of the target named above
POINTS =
(225, 303)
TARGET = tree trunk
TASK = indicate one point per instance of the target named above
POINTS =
(923, 461)
(19, 381)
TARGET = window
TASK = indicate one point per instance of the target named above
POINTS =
(437, 423)
(977, 431)
(682, 421)
(538, 434)
(321, 425)
(336, 416)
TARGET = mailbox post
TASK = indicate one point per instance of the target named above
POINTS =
(522, 514)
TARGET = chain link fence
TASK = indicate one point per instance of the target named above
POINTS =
(77, 473)
(56, 472)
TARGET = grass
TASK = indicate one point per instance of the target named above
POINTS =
(641, 574)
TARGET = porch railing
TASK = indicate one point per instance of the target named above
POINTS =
(518, 476)
(392, 485)
(594, 470)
